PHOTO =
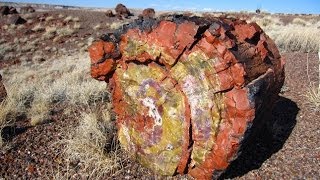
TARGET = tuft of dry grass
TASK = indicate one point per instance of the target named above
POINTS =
(313, 93)
(60, 16)
(65, 31)
(77, 26)
(14, 105)
(299, 21)
(92, 146)
(97, 27)
(71, 19)
(38, 28)
(49, 33)
(115, 25)
(49, 18)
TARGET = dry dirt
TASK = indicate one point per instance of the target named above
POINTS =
(288, 147)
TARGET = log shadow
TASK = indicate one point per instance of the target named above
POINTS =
(9, 132)
(266, 140)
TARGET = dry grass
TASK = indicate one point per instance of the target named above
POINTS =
(97, 27)
(71, 19)
(33, 89)
(49, 18)
(38, 28)
(50, 32)
(313, 93)
(300, 35)
(66, 31)
(92, 146)
(36, 89)
(115, 25)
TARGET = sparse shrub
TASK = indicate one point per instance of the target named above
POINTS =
(49, 18)
(38, 58)
(76, 19)
(93, 145)
(299, 21)
(96, 27)
(267, 21)
(30, 21)
(68, 19)
(38, 28)
(21, 26)
(39, 111)
(313, 94)
(77, 26)
(15, 103)
(60, 16)
(291, 37)
(5, 27)
(295, 38)
(28, 16)
(71, 19)
(65, 31)
(50, 32)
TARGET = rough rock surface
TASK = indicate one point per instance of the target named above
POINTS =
(16, 19)
(3, 92)
(186, 90)
(148, 13)
(109, 13)
(122, 10)
(27, 9)
(5, 10)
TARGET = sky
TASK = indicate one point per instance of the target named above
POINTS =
(272, 6)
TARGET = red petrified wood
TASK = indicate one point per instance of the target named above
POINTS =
(187, 89)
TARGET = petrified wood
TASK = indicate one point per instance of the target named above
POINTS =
(187, 89)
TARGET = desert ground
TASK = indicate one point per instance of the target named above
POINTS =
(57, 121)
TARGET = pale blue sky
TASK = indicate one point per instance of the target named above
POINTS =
(285, 6)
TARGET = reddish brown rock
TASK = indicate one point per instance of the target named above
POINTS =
(16, 19)
(27, 9)
(122, 11)
(5, 10)
(148, 13)
(109, 13)
(3, 92)
(187, 89)
(13, 10)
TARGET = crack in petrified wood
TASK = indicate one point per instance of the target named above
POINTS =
(186, 89)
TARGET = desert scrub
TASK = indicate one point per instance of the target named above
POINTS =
(38, 28)
(97, 27)
(49, 18)
(115, 25)
(313, 94)
(49, 33)
(92, 146)
(299, 21)
(15, 104)
(300, 35)
(65, 80)
(65, 31)
(267, 21)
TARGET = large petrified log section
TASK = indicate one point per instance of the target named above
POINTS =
(187, 89)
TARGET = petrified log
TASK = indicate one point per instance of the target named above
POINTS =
(109, 13)
(122, 10)
(187, 89)
(148, 13)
